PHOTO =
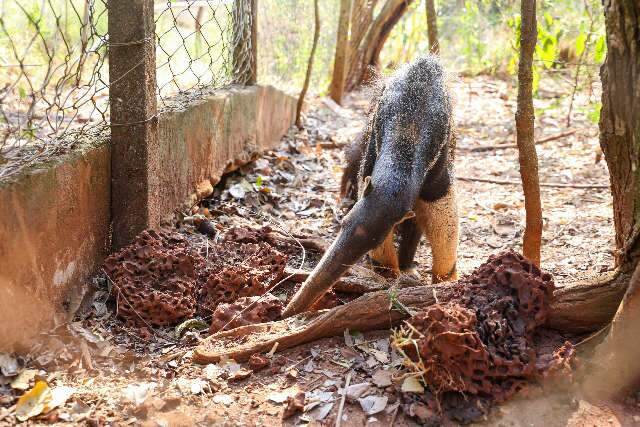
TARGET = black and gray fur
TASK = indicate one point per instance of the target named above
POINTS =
(407, 157)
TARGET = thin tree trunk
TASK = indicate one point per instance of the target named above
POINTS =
(307, 78)
(336, 89)
(432, 27)
(525, 138)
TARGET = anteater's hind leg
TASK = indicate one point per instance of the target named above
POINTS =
(385, 255)
(439, 221)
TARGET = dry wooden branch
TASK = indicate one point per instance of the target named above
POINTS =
(542, 184)
(308, 243)
(509, 145)
(579, 307)
(358, 285)
(332, 145)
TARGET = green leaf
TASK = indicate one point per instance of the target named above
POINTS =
(581, 41)
(259, 181)
(600, 50)
(594, 114)
(22, 93)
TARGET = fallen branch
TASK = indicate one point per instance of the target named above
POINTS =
(332, 145)
(580, 307)
(358, 285)
(509, 145)
(542, 184)
(308, 243)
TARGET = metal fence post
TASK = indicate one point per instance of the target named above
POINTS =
(133, 106)
(245, 42)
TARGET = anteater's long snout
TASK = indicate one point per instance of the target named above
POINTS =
(363, 229)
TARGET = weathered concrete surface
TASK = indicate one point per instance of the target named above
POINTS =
(55, 218)
(54, 229)
(216, 136)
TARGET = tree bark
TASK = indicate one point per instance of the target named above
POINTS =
(432, 27)
(307, 77)
(616, 364)
(527, 156)
(617, 359)
(365, 56)
(336, 88)
(620, 115)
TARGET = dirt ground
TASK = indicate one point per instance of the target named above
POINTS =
(117, 378)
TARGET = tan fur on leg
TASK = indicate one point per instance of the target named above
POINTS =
(386, 255)
(439, 221)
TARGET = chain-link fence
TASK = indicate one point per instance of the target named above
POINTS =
(201, 45)
(53, 77)
(54, 67)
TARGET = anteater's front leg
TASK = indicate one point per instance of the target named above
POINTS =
(385, 255)
(439, 221)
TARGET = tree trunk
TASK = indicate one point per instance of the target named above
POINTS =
(525, 138)
(336, 89)
(620, 115)
(432, 27)
(365, 56)
(307, 78)
(616, 361)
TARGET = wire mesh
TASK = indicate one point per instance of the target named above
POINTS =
(54, 71)
(202, 45)
(53, 77)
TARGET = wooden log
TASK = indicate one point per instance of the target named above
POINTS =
(579, 307)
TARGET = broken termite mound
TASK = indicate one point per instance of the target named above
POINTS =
(480, 339)
(473, 337)
(163, 278)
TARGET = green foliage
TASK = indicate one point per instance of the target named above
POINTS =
(285, 33)
(483, 36)
(593, 114)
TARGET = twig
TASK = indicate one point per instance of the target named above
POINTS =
(344, 397)
(504, 146)
(542, 184)
(331, 145)
(393, 417)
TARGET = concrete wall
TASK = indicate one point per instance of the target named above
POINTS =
(55, 217)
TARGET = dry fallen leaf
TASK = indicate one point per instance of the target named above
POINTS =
(8, 365)
(223, 399)
(412, 385)
(41, 399)
(320, 413)
(33, 402)
(138, 393)
(22, 381)
(381, 378)
(282, 396)
(356, 391)
(373, 404)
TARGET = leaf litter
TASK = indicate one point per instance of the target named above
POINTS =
(294, 188)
